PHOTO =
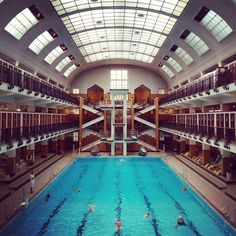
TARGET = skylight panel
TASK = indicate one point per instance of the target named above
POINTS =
(42, 41)
(195, 42)
(119, 46)
(56, 52)
(122, 23)
(167, 70)
(173, 63)
(213, 23)
(23, 21)
(118, 54)
(174, 7)
(181, 53)
(69, 70)
(63, 63)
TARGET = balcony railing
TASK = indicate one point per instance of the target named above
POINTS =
(9, 135)
(222, 76)
(14, 76)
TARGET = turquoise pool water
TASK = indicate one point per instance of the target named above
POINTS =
(124, 189)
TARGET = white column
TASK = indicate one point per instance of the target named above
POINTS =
(112, 125)
(125, 125)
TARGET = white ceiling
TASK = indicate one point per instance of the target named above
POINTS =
(92, 33)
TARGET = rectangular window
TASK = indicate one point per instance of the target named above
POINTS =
(119, 79)
(162, 90)
(75, 137)
(75, 91)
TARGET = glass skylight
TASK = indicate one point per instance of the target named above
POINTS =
(21, 23)
(69, 70)
(196, 43)
(216, 25)
(87, 20)
(117, 27)
(174, 64)
(119, 54)
(168, 71)
(187, 59)
(119, 34)
(174, 7)
(56, 52)
(41, 42)
(63, 63)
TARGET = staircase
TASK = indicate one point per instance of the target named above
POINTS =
(148, 146)
(90, 109)
(92, 122)
(89, 141)
(145, 122)
(145, 110)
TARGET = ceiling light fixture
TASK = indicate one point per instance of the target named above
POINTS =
(141, 15)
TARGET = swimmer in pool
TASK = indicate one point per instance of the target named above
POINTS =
(184, 189)
(180, 222)
(77, 190)
(118, 225)
(91, 208)
(147, 215)
(47, 198)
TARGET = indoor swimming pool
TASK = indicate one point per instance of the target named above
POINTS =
(92, 193)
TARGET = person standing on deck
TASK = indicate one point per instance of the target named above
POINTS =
(32, 182)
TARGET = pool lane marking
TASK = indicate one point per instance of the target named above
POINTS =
(118, 209)
(177, 204)
(196, 199)
(222, 228)
(56, 210)
(80, 229)
(140, 186)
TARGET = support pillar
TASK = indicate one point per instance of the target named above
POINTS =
(54, 144)
(192, 148)
(125, 124)
(30, 158)
(206, 153)
(105, 116)
(112, 125)
(226, 162)
(182, 145)
(105, 122)
(132, 112)
(11, 163)
(61, 144)
(81, 102)
(157, 121)
(44, 148)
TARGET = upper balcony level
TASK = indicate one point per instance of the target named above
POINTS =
(216, 86)
(19, 129)
(17, 82)
(216, 129)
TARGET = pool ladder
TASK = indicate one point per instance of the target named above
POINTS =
(226, 210)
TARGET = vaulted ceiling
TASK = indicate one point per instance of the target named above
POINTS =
(177, 39)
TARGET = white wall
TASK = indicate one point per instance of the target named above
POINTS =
(136, 77)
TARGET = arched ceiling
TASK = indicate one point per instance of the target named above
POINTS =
(62, 38)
